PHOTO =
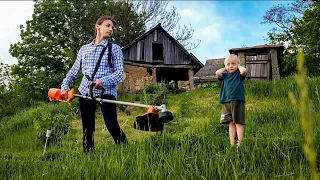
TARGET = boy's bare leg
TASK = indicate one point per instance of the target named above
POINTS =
(232, 133)
(240, 132)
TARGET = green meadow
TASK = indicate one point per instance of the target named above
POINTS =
(192, 146)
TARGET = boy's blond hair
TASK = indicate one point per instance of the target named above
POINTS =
(232, 57)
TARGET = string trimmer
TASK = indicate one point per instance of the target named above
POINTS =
(153, 120)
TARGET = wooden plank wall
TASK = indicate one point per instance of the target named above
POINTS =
(172, 52)
(258, 67)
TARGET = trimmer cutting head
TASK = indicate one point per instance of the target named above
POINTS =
(152, 120)
(165, 116)
(148, 121)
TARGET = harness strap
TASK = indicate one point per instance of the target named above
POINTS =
(96, 69)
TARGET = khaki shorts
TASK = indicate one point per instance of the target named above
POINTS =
(233, 111)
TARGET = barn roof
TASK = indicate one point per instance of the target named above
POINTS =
(264, 46)
(209, 69)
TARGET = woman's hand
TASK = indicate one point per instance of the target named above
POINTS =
(64, 94)
(99, 84)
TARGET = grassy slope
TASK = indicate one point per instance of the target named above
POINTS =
(193, 146)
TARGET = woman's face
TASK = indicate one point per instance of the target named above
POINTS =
(105, 29)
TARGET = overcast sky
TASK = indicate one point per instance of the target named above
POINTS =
(220, 25)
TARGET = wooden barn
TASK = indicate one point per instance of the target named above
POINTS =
(157, 57)
(262, 62)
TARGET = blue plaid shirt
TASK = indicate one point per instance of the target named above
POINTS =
(87, 59)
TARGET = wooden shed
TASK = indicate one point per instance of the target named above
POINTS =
(157, 57)
(208, 72)
(262, 62)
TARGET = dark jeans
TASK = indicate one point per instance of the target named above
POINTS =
(109, 111)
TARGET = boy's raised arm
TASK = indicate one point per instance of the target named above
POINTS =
(220, 71)
(243, 70)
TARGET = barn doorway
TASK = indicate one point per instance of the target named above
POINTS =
(167, 75)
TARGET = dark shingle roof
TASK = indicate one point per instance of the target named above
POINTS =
(209, 69)
(263, 46)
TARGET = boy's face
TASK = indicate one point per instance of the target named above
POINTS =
(231, 65)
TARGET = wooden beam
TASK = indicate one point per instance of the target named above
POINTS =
(191, 80)
(160, 65)
(257, 62)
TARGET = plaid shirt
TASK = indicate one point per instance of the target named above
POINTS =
(87, 59)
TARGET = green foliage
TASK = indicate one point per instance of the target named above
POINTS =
(5, 77)
(193, 146)
(307, 34)
(16, 123)
(52, 38)
(298, 28)
(275, 88)
(154, 94)
(288, 65)
(11, 102)
(56, 118)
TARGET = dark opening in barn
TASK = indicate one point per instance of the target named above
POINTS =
(142, 50)
(157, 52)
(168, 74)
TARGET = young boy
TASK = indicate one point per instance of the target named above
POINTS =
(232, 97)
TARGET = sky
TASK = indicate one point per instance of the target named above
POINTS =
(220, 25)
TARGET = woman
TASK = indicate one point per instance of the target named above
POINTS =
(103, 76)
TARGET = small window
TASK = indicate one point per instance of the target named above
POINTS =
(157, 51)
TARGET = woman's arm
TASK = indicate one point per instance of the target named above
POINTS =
(73, 73)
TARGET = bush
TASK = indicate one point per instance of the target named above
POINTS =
(59, 122)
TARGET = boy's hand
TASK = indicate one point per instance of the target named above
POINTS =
(220, 71)
(243, 70)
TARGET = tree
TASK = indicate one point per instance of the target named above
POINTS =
(5, 77)
(9, 102)
(297, 29)
(51, 40)
(307, 35)
(154, 12)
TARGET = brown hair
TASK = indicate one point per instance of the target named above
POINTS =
(103, 18)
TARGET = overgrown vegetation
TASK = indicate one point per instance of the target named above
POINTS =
(52, 117)
(194, 145)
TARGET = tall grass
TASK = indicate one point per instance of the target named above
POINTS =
(193, 146)
(306, 116)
